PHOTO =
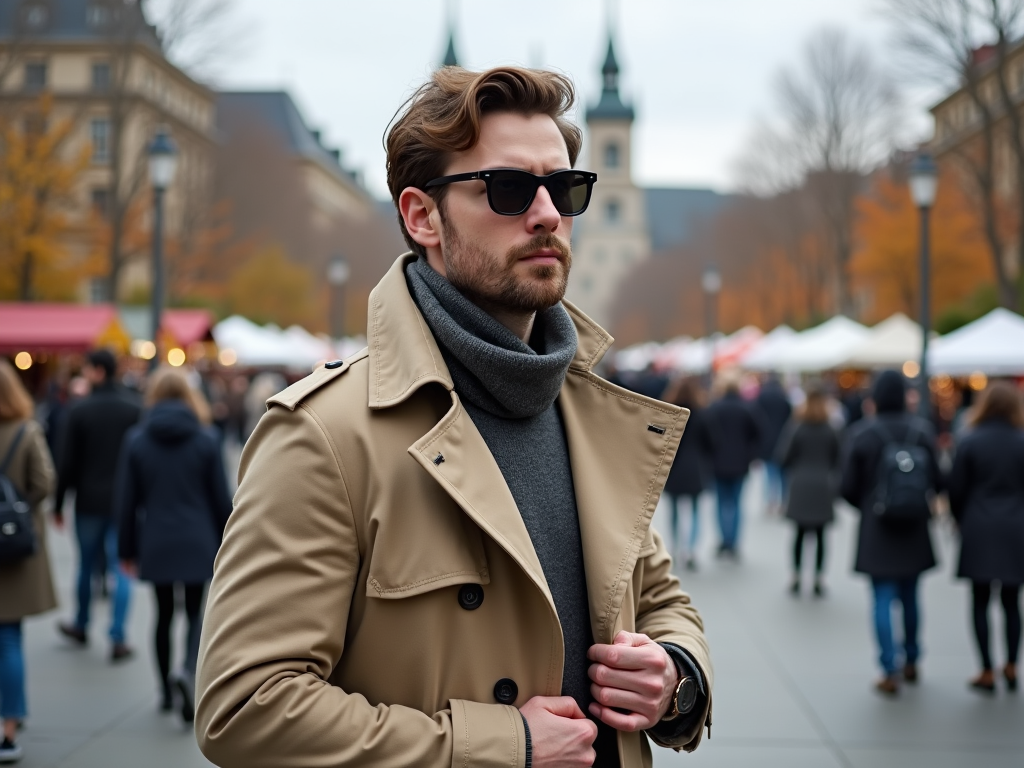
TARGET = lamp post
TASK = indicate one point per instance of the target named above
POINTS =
(337, 275)
(163, 162)
(924, 179)
(711, 283)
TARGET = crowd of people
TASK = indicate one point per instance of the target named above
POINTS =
(151, 500)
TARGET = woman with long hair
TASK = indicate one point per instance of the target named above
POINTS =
(688, 477)
(808, 453)
(26, 585)
(986, 496)
(172, 502)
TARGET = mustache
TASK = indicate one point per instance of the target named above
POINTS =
(546, 240)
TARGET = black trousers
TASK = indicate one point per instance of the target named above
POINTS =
(1009, 595)
(162, 633)
(798, 546)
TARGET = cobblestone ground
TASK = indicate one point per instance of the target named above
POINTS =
(793, 676)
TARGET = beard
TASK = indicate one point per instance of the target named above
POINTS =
(493, 282)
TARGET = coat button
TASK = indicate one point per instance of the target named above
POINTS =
(506, 691)
(471, 596)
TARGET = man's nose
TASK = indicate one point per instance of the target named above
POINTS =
(542, 213)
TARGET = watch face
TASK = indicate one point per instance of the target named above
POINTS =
(686, 698)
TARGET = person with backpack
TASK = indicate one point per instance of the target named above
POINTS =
(986, 497)
(27, 478)
(890, 474)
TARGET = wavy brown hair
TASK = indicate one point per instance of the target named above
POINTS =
(1000, 402)
(444, 115)
(171, 384)
(15, 401)
(815, 408)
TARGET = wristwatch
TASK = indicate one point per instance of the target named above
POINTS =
(684, 699)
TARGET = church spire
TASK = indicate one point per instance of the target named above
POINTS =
(611, 106)
(450, 59)
(610, 70)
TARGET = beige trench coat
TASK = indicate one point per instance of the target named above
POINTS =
(334, 634)
(26, 587)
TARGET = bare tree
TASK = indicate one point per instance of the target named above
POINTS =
(945, 37)
(837, 117)
(199, 35)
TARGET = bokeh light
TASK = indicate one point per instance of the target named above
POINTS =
(23, 361)
(176, 357)
(227, 357)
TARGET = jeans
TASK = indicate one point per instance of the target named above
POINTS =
(729, 510)
(12, 672)
(677, 506)
(96, 535)
(886, 592)
(773, 484)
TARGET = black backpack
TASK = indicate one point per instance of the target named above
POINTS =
(903, 479)
(17, 535)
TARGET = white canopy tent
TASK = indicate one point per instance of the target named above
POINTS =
(267, 345)
(889, 344)
(821, 348)
(993, 345)
(762, 355)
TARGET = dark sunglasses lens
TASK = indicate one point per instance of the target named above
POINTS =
(512, 191)
(570, 192)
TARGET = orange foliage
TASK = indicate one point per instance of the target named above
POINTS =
(886, 264)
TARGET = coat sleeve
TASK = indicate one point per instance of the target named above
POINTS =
(126, 502)
(39, 474)
(959, 483)
(67, 459)
(217, 487)
(275, 627)
(666, 614)
(785, 451)
(853, 469)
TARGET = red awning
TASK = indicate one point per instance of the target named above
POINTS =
(187, 326)
(34, 327)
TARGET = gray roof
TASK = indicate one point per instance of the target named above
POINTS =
(276, 110)
(673, 215)
(610, 107)
(69, 21)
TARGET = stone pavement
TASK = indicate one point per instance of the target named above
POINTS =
(793, 676)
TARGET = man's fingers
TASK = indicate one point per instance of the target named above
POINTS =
(619, 721)
(625, 679)
(621, 656)
(563, 706)
(633, 639)
(620, 699)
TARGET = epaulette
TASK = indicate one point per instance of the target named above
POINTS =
(300, 390)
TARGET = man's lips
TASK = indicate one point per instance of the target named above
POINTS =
(543, 256)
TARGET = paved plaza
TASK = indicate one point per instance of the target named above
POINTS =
(793, 676)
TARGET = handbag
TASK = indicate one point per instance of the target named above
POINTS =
(17, 534)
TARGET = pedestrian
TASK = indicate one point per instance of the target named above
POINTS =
(688, 478)
(26, 585)
(893, 553)
(172, 502)
(986, 497)
(808, 454)
(93, 432)
(732, 438)
(775, 411)
(441, 552)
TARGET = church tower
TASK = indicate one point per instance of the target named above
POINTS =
(611, 238)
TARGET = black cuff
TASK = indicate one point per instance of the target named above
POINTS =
(529, 744)
(670, 731)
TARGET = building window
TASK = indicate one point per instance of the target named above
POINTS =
(101, 202)
(99, 15)
(35, 76)
(36, 16)
(101, 77)
(101, 141)
(611, 155)
(612, 212)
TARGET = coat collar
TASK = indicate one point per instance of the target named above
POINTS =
(404, 355)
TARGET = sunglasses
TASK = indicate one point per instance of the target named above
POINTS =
(510, 191)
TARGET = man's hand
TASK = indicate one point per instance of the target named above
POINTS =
(634, 674)
(561, 736)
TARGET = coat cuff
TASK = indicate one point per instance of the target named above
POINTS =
(487, 735)
(684, 732)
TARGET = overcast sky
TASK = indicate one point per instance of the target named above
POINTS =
(699, 72)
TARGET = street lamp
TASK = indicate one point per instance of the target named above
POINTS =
(711, 283)
(924, 179)
(337, 275)
(163, 162)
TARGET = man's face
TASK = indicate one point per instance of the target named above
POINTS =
(515, 263)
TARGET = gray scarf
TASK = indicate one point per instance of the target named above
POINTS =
(491, 366)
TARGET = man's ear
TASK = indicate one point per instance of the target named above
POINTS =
(417, 207)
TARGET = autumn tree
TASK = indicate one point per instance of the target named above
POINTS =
(271, 289)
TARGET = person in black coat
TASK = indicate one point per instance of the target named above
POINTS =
(986, 497)
(775, 411)
(731, 437)
(688, 477)
(894, 556)
(808, 454)
(90, 444)
(173, 504)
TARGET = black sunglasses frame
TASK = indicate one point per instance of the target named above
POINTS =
(487, 176)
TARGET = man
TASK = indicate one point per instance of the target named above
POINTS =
(90, 446)
(774, 411)
(440, 552)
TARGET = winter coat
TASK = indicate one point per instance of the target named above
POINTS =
(377, 580)
(172, 497)
(986, 496)
(732, 436)
(689, 473)
(26, 586)
(90, 445)
(886, 551)
(809, 455)
(774, 410)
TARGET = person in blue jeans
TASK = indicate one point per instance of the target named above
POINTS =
(731, 435)
(893, 555)
(687, 479)
(97, 536)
